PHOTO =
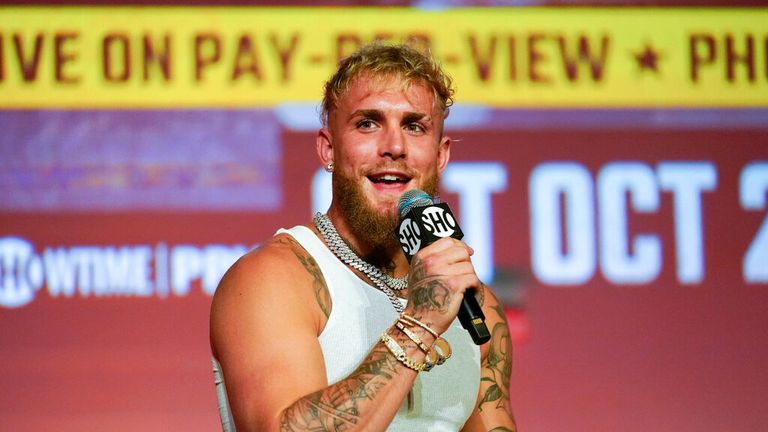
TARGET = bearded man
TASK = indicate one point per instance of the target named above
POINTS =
(328, 327)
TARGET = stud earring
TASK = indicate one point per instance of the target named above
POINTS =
(329, 167)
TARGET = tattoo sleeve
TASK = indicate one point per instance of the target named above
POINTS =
(339, 407)
(496, 375)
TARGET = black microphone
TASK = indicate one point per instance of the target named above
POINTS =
(422, 222)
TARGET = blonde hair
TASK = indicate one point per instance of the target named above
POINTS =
(380, 62)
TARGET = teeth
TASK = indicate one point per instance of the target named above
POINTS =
(388, 178)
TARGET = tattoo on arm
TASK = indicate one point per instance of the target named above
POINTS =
(319, 287)
(498, 370)
(338, 407)
(480, 294)
(427, 292)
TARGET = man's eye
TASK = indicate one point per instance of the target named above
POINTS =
(366, 124)
(414, 127)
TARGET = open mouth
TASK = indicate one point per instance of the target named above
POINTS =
(389, 179)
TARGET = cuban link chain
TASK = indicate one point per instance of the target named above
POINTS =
(384, 282)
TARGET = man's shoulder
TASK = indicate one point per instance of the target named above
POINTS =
(278, 272)
(281, 247)
(266, 289)
(277, 258)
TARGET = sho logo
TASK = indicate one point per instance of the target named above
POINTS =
(438, 221)
(21, 272)
(410, 236)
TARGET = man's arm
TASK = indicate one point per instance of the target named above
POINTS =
(265, 319)
(493, 412)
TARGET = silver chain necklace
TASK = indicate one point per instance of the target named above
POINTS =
(384, 282)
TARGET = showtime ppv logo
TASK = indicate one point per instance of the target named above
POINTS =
(436, 222)
(104, 271)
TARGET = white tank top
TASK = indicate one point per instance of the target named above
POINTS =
(443, 398)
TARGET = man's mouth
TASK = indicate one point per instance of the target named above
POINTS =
(389, 179)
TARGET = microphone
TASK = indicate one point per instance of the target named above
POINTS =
(422, 222)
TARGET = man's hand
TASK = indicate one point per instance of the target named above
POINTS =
(439, 275)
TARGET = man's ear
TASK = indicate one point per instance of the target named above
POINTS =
(324, 145)
(443, 153)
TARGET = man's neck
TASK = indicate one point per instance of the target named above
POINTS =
(389, 258)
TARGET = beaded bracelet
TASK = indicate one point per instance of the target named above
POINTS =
(399, 354)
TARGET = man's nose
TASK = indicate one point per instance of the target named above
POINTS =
(394, 144)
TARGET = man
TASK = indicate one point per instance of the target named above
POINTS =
(306, 327)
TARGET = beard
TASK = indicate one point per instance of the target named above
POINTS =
(376, 229)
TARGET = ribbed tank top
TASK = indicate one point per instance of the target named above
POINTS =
(443, 397)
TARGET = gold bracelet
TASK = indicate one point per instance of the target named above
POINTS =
(399, 354)
(441, 345)
(413, 320)
(432, 356)
(413, 336)
(443, 348)
(430, 360)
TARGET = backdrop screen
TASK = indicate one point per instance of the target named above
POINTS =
(609, 167)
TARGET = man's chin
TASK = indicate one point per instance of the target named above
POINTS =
(383, 203)
(370, 211)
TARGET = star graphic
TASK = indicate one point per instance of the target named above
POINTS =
(648, 59)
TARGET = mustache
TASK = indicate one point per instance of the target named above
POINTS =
(392, 166)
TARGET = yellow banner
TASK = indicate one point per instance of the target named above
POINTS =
(156, 57)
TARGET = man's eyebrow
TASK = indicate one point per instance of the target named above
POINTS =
(410, 117)
(372, 114)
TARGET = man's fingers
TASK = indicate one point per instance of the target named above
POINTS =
(448, 249)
